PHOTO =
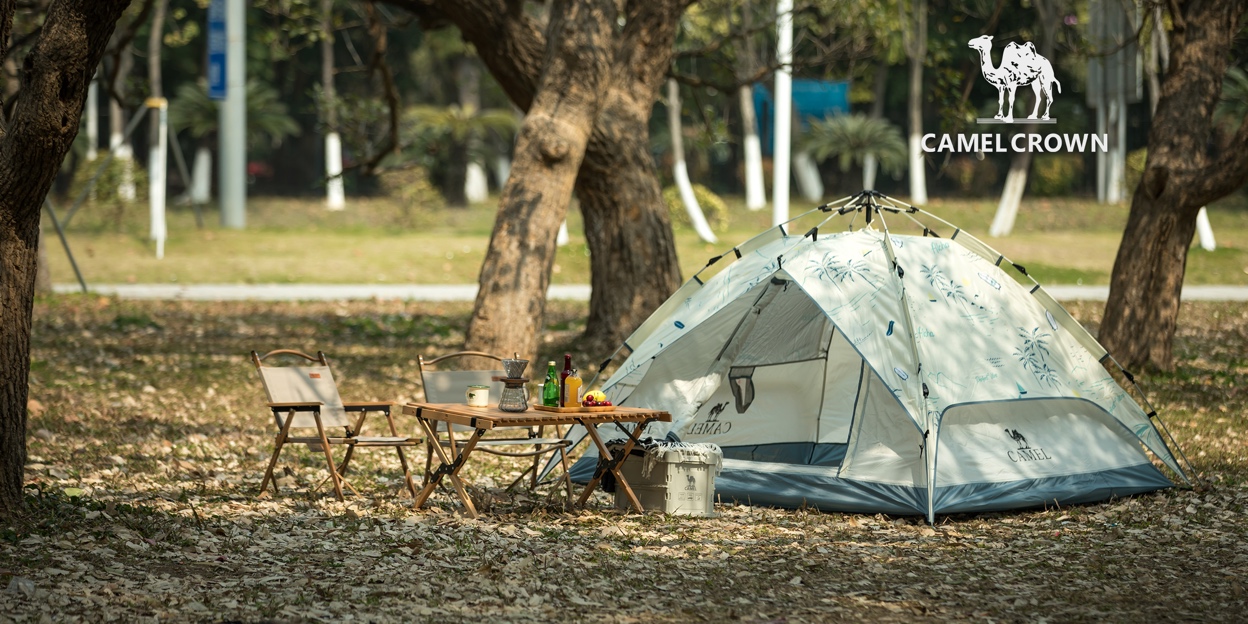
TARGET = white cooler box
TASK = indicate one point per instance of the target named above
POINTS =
(674, 478)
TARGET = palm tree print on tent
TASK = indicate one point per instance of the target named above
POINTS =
(1033, 354)
(835, 271)
(942, 283)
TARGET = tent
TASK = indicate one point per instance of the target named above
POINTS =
(870, 371)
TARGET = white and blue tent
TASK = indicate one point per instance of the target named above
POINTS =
(876, 372)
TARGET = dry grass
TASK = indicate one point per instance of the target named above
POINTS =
(382, 241)
(148, 437)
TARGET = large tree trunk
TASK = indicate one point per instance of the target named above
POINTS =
(633, 264)
(632, 251)
(1180, 176)
(33, 143)
(549, 149)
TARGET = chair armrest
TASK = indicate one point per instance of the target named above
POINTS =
(367, 406)
(301, 406)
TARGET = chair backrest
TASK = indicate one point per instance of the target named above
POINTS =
(296, 384)
(450, 386)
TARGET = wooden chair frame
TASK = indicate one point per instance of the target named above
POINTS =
(494, 445)
(285, 413)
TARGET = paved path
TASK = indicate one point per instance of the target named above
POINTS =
(468, 292)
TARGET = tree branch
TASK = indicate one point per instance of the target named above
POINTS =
(1229, 171)
(123, 41)
(377, 29)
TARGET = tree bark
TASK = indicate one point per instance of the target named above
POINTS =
(632, 250)
(551, 144)
(1180, 176)
(55, 74)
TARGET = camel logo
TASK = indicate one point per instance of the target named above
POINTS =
(1025, 452)
(713, 425)
(1019, 438)
(716, 411)
(1020, 66)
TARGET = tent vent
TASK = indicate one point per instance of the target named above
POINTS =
(741, 380)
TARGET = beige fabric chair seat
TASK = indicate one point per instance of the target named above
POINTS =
(306, 398)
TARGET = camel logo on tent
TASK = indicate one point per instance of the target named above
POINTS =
(1025, 452)
(1020, 66)
(712, 425)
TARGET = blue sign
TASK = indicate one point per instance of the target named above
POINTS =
(811, 98)
(217, 42)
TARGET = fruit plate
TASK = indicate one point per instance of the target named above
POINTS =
(569, 410)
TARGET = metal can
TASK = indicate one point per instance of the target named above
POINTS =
(478, 396)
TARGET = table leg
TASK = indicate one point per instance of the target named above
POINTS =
(613, 465)
(454, 467)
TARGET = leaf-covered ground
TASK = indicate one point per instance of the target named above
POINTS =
(148, 437)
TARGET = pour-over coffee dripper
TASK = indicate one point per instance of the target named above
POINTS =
(515, 397)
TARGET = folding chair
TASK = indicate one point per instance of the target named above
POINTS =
(448, 386)
(306, 398)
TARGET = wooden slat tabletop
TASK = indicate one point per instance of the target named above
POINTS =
(491, 417)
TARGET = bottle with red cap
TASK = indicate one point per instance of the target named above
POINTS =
(564, 400)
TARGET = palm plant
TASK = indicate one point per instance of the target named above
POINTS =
(267, 120)
(1234, 105)
(851, 138)
(457, 131)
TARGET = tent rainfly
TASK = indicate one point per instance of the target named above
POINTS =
(874, 372)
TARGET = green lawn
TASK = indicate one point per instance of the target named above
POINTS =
(1061, 241)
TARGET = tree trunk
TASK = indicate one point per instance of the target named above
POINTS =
(870, 166)
(1143, 308)
(155, 44)
(627, 228)
(752, 150)
(335, 193)
(453, 191)
(32, 145)
(1049, 17)
(680, 171)
(916, 49)
(549, 149)
(1180, 176)
(43, 276)
(468, 82)
(633, 265)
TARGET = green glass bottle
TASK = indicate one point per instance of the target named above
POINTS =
(550, 391)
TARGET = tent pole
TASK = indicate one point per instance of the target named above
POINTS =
(929, 433)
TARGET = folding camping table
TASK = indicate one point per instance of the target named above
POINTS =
(483, 419)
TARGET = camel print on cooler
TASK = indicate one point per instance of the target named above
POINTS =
(1020, 66)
